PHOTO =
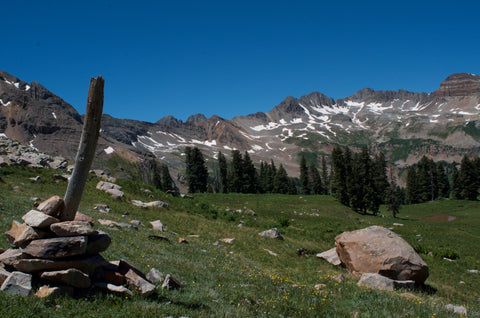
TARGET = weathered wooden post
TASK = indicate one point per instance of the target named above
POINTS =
(86, 148)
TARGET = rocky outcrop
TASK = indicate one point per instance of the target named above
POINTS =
(379, 250)
(456, 85)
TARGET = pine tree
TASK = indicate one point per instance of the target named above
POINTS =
(443, 184)
(249, 175)
(315, 179)
(196, 171)
(281, 183)
(223, 173)
(236, 172)
(356, 188)
(380, 179)
(338, 186)
(304, 180)
(393, 199)
(411, 195)
(325, 177)
(468, 179)
(456, 192)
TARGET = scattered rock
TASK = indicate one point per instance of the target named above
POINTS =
(111, 188)
(72, 228)
(181, 240)
(155, 276)
(139, 283)
(39, 219)
(379, 250)
(171, 283)
(460, 310)
(18, 283)
(109, 223)
(319, 286)
(397, 224)
(139, 204)
(227, 240)
(101, 207)
(137, 222)
(272, 233)
(157, 204)
(157, 225)
(270, 252)
(473, 271)
(330, 256)
(377, 281)
(71, 277)
(119, 289)
(340, 278)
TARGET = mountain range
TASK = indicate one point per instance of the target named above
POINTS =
(443, 125)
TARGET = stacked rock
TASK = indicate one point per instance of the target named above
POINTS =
(52, 256)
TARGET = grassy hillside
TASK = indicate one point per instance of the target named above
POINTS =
(244, 279)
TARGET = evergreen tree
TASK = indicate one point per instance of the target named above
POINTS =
(281, 184)
(356, 188)
(380, 179)
(325, 178)
(236, 172)
(443, 184)
(304, 180)
(315, 179)
(372, 196)
(411, 195)
(393, 196)
(249, 176)
(456, 187)
(338, 186)
(223, 173)
(196, 171)
(468, 179)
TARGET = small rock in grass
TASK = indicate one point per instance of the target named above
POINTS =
(227, 240)
(272, 233)
(155, 276)
(460, 310)
(157, 225)
(171, 283)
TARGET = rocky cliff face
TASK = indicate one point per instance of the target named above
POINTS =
(405, 125)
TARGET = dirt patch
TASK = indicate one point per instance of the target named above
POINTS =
(442, 218)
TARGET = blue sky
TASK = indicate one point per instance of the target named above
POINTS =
(231, 58)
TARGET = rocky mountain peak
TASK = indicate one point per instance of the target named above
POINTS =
(460, 84)
(197, 118)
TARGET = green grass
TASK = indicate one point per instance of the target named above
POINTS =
(242, 279)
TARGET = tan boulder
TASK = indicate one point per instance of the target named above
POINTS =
(139, 283)
(378, 250)
(11, 255)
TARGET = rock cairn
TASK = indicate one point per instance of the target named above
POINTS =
(53, 257)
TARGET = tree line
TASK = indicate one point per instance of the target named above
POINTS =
(238, 176)
(359, 180)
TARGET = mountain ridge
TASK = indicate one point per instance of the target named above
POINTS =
(405, 125)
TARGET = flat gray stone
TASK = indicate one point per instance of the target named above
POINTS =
(377, 281)
(330, 256)
(140, 284)
(18, 283)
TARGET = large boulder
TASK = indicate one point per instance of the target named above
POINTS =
(378, 250)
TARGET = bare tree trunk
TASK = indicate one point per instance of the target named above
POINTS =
(86, 148)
